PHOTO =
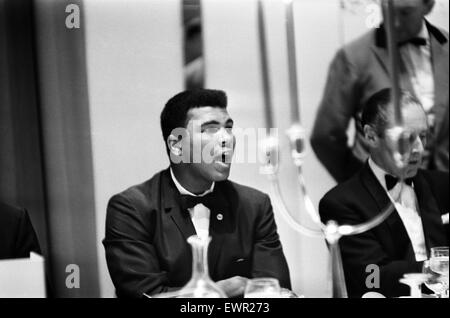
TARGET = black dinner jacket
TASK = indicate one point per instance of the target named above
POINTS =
(146, 232)
(17, 236)
(361, 198)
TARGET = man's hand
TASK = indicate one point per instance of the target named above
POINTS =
(233, 286)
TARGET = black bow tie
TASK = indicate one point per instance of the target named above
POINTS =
(391, 181)
(415, 41)
(189, 201)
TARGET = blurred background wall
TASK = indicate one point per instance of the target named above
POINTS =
(135, 60)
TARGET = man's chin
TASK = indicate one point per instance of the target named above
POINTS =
(221, 172)
(411, 171)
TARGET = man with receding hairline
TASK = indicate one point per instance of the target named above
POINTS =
(403, 241)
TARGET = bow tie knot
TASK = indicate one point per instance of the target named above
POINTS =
(391, 181)
(417, 41)
(189, 201)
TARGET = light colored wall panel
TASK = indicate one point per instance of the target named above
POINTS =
(134, 66)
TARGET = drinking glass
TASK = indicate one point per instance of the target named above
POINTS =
(262, 288)
(439, 264)
(434, 281)
(414, 281)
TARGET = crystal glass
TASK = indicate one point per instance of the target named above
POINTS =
(434, 282)
(262, 288)
(439, 264)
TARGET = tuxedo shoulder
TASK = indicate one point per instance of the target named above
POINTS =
(440, 32)
(346, 189)
(357, 49)
(444, 33)
(364, 40)
(9, 212)
(434, 176)
(138, 194)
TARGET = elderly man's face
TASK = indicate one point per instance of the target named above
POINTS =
(416, 128)
(409, 17)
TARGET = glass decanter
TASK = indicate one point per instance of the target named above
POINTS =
(200, 285)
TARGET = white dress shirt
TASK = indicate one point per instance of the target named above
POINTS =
(200, 214)
(419, 67)
(407, 207)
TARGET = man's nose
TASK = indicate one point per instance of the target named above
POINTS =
(225, 137)
(418, 146)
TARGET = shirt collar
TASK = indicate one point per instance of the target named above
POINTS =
(424, 32)
(183, 190)
(379, 173)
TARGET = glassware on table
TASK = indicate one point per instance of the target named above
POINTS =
(415, 281)
(200, 285)
(439, 264)
(434, 282)
(287, 293)
(262, 288)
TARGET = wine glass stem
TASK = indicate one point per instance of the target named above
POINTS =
(415, 291)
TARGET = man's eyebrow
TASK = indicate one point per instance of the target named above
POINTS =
(211, 122)
(215, 122)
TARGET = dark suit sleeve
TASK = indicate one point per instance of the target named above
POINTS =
(338, 106)
(132, 259)
(439, 185)
(362, 250)
(268, 257)
(26, 239)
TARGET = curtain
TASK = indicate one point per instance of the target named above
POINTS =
(46, 156)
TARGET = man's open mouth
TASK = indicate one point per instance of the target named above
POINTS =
(224, 157)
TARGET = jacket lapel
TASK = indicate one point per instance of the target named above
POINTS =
(171, 203)
(400, 239)
(380, 49)
(429, 213)
(220, 224)
(382, 54)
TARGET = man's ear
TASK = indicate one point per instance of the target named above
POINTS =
(174, 145)
(371, 136)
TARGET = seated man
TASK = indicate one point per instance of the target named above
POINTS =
(402, 242)
(148, 224)
(17, 236)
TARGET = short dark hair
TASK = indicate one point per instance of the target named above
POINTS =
(175, 112)
(379, 108)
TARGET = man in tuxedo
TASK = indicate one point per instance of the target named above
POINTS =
(17, 236)
(402, 242)
(148, 224)
(360, 69)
